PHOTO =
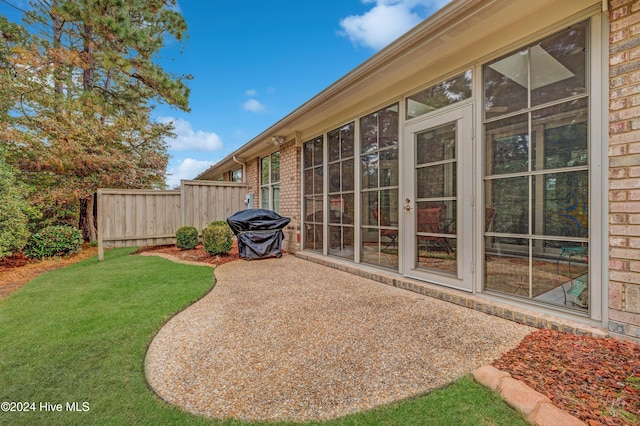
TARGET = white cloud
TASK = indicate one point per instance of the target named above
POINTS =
(187, 170)
(253, 105)
(188, 139)
(387, 20)
(251, 92)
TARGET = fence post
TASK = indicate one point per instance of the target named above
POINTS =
(100, 226)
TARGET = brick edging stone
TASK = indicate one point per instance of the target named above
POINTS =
(535, 407)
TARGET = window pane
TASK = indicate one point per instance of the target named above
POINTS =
(437, 253)
(275, 167)
(341, 209)
(276, 199)
(507, 145)
(564, 129)
(508, 272)
(264, 169)
(348, 209)
(341, 242)
(347, 175)
(308, 182)
(389, 167)
(565, 204)
(389, 126)
(369, 133)
(335, 209)
(436, 217)
(558, 66)
(334, 177)
(313, 209)
(505, 84)
(264, 198)
(369, 170)
(510, 198)
(442, 94)
(348, 137)
(389, 207)
(313, 240)
(369, 208)
(308, 154)
(333, 139)
(436, 144)
(317, 151)
(437, 181)
(317, 180)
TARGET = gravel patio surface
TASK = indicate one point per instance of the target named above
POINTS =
(287, 339)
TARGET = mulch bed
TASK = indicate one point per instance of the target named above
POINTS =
(198, 254)
(596, 380)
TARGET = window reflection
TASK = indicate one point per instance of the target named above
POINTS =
(537, 172)
(270, 182)
(379, 183)
(550, 70)
(341, 195)
(313, 186)
(440, 95)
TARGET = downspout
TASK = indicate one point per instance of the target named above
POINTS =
(243, 163)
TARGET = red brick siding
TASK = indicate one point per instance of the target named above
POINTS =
(253, 181)
(290, 180)
(624, 167)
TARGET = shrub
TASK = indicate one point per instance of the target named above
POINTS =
(217, 238)
(55, 240)
(13, 208)
(186, 237)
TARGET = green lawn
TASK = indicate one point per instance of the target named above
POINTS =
(79, 335)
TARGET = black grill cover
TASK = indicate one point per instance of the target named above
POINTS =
(259, 232)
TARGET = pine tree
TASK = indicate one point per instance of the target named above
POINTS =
(84, 89)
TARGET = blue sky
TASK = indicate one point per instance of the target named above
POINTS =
(255, 61)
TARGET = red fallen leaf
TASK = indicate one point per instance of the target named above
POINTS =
(554, 368)
(550, 396)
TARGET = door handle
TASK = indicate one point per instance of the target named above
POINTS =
(407, 206)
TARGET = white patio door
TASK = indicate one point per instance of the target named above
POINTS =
(438, 203)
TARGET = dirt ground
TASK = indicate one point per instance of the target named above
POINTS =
(596, 380)
(17, 270)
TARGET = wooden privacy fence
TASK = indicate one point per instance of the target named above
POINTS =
(137, 217)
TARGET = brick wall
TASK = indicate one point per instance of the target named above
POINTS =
(624, 167)
(290, 193)
(253, 180)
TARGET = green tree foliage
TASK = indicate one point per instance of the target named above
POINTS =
(82, 92)
(13, 217)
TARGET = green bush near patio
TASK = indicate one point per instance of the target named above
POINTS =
(186, 237)
(79, 335)
(217, 238)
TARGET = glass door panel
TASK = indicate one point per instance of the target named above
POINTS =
(438, 223)
(436, 245)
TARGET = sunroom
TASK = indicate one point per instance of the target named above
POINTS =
(467, 154)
